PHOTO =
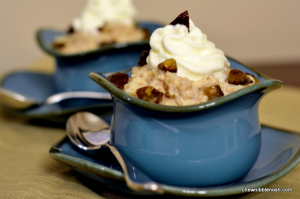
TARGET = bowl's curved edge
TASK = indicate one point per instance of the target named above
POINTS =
(41, 44)
(264, 86)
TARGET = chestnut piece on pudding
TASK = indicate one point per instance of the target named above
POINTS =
(182, 19)
(70, 30)
(119, 79)
(168, 65)
(238, 77)
(58, 45)
(149, 94)
(213, 92)
(143, 58)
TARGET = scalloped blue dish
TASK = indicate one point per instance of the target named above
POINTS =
(279, 154)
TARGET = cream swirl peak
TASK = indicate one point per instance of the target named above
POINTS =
(194, 54)
(98, 12)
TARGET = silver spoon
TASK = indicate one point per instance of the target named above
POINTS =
(88, 131)
(18, 101)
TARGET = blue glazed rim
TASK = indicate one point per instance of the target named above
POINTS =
(46, 45)
(263, 86)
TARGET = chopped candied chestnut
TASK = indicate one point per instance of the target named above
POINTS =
(102, 27)
(255, 78)
(119, 79)
(106, 43)
(70, 30)
(146, 33)
(149, 94)
(143, 58)
(58, 45)
(213, 92)
(182, 19)
(168, 65)
(237, 77)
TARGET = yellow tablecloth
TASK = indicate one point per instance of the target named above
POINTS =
(27, 170)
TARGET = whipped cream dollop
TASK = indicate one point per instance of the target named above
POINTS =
(194, 54)
(99, 12)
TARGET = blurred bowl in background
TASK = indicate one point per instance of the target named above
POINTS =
(71, 73)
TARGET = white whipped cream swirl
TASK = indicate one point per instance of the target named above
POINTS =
(98, 12)
(194, 54)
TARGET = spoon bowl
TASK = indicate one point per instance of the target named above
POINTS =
(87, 131)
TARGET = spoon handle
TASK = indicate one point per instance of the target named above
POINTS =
(149, 186)
(77, 94)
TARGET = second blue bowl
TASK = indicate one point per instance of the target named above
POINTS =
(72, 70)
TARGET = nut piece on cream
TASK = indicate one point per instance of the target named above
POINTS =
(194, 54)
(99, 12)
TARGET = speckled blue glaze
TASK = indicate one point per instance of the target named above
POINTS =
(209, 144)
(72, 70)
(205, 148)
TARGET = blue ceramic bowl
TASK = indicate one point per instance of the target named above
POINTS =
(208, 144)
(70, 68)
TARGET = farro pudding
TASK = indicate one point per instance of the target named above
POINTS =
(182, 68)
(102, 22)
